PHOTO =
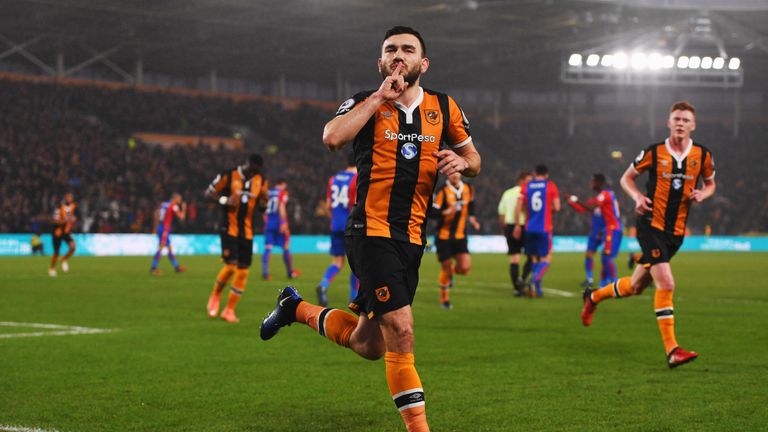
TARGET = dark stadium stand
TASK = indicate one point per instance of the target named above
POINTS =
(58, 137)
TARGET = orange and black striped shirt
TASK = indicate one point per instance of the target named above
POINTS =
(454, 226)
(62, 219)
(671, 179)
(396, 168)
(237, 219)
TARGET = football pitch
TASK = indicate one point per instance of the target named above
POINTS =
(108, 347)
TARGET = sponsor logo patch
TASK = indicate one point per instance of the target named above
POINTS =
(382, 294)
(409, 150)
(656, 253)
(386, 114)
(677, 183)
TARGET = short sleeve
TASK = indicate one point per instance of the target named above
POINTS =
(503, 203)
(350, 103)
(439, 199)
(643, 161)
(458, 126)
(218, 183)
(353, 191)
(708, 166)
(328, 190)
(554, 192)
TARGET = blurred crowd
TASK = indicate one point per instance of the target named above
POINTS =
(62, 138)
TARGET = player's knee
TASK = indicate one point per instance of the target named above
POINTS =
(463, 270)
(373, 352)
(369, 348)
(403, 333)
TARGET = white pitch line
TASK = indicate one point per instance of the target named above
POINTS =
(8, 428)
(60, 330)
(560, 293)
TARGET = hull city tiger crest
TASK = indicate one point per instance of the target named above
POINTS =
(433, 117)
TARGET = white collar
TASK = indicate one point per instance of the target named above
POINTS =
(409, 110)
(457, 190)
(682, 156)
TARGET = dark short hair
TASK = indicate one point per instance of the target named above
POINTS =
(683, 106)
(599, 177)
(396, 30)
(256, 160)
(541, 170)
(522, 175)
(280, 180)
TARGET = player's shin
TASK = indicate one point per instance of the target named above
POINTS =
(330, 275)
(514, 273)
(444, 280)
(527, 267)
(406, 390)
(265, 262)
(222, 279)
(288, 261)
(333, 324)
(156, 259)
(237, 289)
(662, 304)
(609, 270)
(172, 258)
(588, 268)
(617, 289)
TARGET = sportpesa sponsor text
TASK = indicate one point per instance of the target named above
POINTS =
(395, 136)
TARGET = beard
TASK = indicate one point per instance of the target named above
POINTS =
(409, 77)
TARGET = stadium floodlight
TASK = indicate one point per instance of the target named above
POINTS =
(620, 60)
(654, 61)
(644, 67)
(639, 61)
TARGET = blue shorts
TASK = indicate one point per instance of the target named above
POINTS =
(337, 244)
(275, 238)
(538, 243)
(594, 240)
(612, 243)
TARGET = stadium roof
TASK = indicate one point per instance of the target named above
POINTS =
(472, 43)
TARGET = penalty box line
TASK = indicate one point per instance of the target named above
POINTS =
(52, 330)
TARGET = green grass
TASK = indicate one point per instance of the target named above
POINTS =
(494, 363)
